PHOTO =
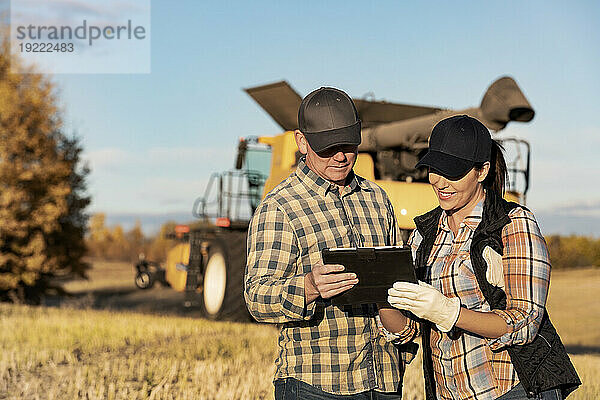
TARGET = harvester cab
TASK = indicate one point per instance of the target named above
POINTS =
(232, 196)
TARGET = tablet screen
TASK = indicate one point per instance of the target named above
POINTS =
(377, 269)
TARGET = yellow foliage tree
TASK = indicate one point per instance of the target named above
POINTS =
(42, 188)
(98, 235)
(136, 241)
(573, 251)
(114, 243)
(161, 244)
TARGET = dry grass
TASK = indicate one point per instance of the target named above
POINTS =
(574, 307)
(104, 275)
(51, 353)
(71, 353)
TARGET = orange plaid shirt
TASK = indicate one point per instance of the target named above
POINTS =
(467, 366)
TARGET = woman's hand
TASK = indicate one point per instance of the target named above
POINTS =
(425, 301)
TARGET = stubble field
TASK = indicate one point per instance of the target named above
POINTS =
(112, 341)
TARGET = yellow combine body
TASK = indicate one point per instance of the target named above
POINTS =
(175, 273)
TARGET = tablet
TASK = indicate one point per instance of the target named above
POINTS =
(377, 268)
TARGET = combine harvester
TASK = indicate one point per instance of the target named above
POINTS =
(208, 262)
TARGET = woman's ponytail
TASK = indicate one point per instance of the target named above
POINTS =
(497, 177)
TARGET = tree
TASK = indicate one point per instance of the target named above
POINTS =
(161, 244)
(42, 188)
(114, 243)
(98, 236)
(136, 241)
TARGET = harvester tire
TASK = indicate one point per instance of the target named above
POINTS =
(222, 295)
(144, 280)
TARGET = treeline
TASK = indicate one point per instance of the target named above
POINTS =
(116, 244)
(573, 251)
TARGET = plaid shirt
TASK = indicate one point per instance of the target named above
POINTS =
(468, 366)
(337, 349)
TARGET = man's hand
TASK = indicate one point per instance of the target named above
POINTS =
(327, 280)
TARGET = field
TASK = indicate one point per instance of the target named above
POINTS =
(111, 341)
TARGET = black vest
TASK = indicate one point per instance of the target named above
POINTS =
(542, 364)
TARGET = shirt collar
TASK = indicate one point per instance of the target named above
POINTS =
(474, 218)
(471, 221)
(322, 186)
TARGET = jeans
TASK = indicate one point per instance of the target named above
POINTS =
(293, 389)
(518, 393)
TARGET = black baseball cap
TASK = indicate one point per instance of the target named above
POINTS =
(327, 117)
(456, 145)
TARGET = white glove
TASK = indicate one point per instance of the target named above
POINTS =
(425, 302)
(495, 271)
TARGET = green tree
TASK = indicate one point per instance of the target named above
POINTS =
(43, 190)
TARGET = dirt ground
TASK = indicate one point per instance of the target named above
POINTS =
(111, 287)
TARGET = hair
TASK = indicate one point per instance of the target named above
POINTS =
(497, 177)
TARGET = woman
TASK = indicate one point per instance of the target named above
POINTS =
(484, 274)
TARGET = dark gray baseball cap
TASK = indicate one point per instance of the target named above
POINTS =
(456, 145)
(327, 117)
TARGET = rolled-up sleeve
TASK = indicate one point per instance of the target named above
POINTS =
(274, 286)
(408, 333)
(526, 265)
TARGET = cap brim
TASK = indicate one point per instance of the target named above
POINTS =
(448, 166)
(321, 141)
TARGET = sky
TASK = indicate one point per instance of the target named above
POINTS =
(152, 140)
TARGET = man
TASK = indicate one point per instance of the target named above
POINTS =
(324, 350)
